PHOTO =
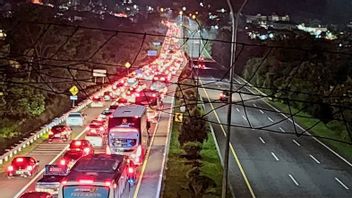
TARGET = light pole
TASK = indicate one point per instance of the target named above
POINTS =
(229, 110)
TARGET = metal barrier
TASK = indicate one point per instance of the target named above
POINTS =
(45, 129)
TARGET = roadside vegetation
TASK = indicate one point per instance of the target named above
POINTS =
(44, 56)
(193, 166)
(315, 83)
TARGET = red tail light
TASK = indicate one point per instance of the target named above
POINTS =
(63, 162)
(29, 168)
(154, 95)
(51, 133)
(10, 168)
(86, 150)
(130, 170)
(63, 182)
(107, 183)
(77, 143)
(101, 128)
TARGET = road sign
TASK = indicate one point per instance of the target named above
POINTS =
(73, 97)
(99, 72)
(74, 90)
(178, 117)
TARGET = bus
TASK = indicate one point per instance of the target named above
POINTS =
(128, 133)
(98, 176)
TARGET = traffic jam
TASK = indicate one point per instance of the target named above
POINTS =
(114, 144)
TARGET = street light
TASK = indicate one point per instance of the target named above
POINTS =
(229, 109)
(193, 17)
(180, 13)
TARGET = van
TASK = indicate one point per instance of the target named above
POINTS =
(75, 119)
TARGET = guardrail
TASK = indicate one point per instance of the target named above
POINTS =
(45, 129)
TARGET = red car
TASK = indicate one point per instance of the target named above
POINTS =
(71, 156)
(98, 122)
(94, 128)
(23, 166)
(81, 145)
(60, 133)
(36, 195)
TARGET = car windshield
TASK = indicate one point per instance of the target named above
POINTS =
(96, 165)
(74, 115)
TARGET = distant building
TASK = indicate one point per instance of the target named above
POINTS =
(261, 18)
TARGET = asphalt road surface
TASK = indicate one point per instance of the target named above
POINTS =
(275, 163)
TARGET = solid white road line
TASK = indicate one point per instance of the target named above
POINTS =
(315, 159)
(261, 139)
(238, 110)
(254, 105)
(261, 111)
(271, 120)
(273, 154)
(342, 184)
(51, 162)
(293, 179)
(244, 117)
(294, 141)
(282, 130)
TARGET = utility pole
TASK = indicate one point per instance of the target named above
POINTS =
(229, 110)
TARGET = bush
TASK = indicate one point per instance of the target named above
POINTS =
(192, 150)
(193, 128)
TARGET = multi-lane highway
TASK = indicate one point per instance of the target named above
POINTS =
(150, 173)
(272, 163)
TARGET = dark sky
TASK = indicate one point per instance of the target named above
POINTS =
(329, 11)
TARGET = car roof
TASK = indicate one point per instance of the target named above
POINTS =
(129, 111)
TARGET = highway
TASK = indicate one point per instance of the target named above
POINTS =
(271, 164)
(150, 173)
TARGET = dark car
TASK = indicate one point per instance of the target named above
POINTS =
(23, 166)
(224, 96)
(36, 195)
(52, 177)
(78, 149)
(59, 133)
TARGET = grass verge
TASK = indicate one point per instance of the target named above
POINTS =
(321, 130)
(176, 182)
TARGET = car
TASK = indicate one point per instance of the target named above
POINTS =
(34, 194)
(23, 166)
(97, 101)
(98, 122)
(51, 180)
(162, 78)
(160, 87)
(81, 145)
(59, 133)
(105, 114)
(224, 96)
(108, 95)
(122, 101)
(96, 128)
(75, 119)
(71, 156)
(132, 82)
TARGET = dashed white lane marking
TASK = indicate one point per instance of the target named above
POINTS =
(261, 111)
(237, 109)
(261, 139)
(282, 130)
(273, 154)
(342, 184)
(293, 179)
(294, 141)
(271, 120)
(315, 159)
(244, 117)
(254, 105)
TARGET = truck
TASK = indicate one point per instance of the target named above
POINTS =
(128, 133)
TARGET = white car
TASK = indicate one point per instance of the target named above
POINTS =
(97, 102)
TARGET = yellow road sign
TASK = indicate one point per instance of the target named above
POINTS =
(178, 117)
(74, 90)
